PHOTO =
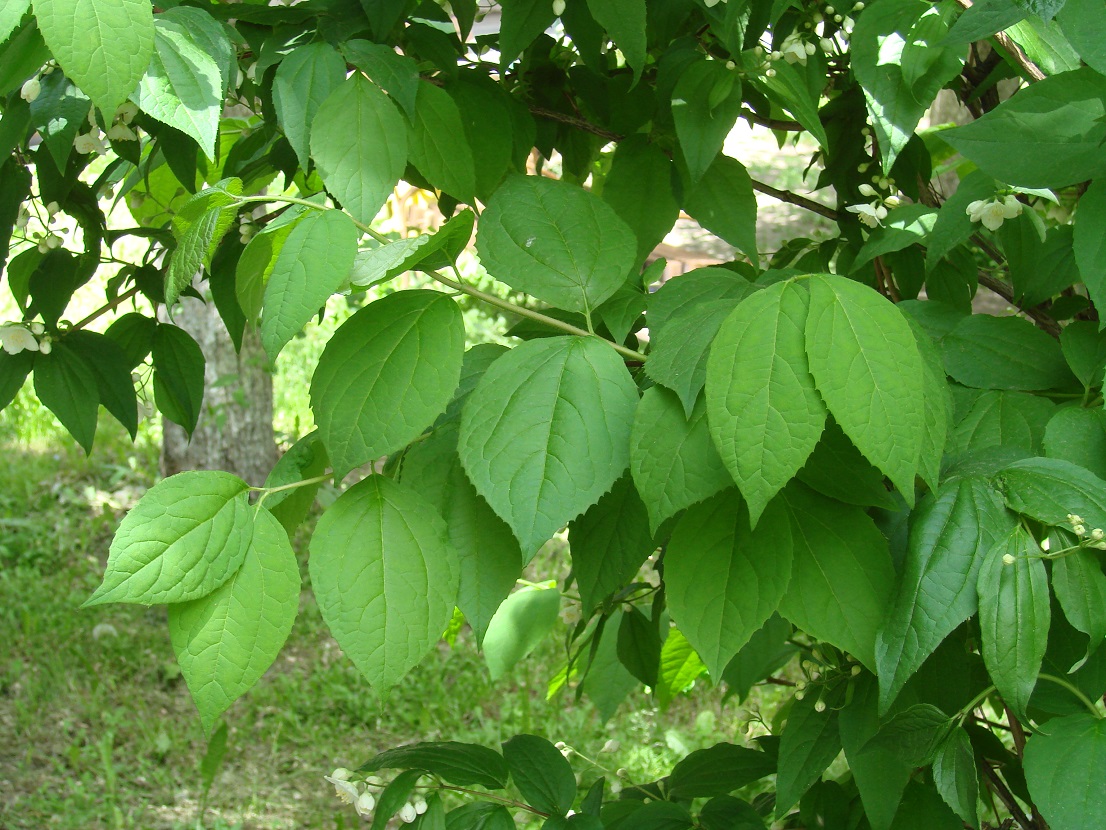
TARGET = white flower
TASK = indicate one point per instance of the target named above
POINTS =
(343, 787)
(793, 50)
(407, 813)
(993, 213)
(52, 209)
(419, 804)
(23, 218)
(121, 132)
(365, 804)
(85, 143)
(558, 7)
(871, 215)
(126, 112)
(30, 89)
(15, 338)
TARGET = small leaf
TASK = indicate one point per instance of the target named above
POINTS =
(1063, 768)
(305, 459)
(523, 620)
(14, 369)
(639, 188)
(607, 681)
(678, 357)
(808, 744)
(386, 603)
(542, 775)
(700, 127)
(723, 202)
(1049, 489)
(456, 763)
(680, 667)
(956, 778)
(987, 352)
(186, 537)
(718, 770)
(386, 374)
(226, 641)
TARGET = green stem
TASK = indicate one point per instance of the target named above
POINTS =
(492, 797)
(268, 491)
(1086, 701)
(972, 704)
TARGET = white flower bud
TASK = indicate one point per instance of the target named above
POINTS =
(611, 746)
(53, 242)
(1008, 559)
(419, 803)
(867, 190)
(37, 328)
(1098, 534)
(810, 48)
(23, 218)
(820, 706)
(52, 209)
(31, 89)
(45, 347)
(558, 7)
(1079, 530)
(892, 202)
(826, 44)
(407, 813)
(731, 65)
(837, 18)
(365, 804)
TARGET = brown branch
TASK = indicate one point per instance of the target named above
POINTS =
(106, 307)
(796, 199)
(999, 788)
(778, 681)
(772, 123)
(1043, 320)
(1020, 58)
(1016, 732)
(575, 121)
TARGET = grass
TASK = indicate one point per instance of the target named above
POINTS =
(96, 726)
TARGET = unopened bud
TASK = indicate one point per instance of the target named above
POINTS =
(1008, 559)
(31, 89)
(558, 7)
(820, 706)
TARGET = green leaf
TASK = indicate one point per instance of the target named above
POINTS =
(1084, 348)
(304, 79)
(182, 86)
(14, 369)
(1080, 586)
(639, 188)
(1059, 122)
(199, 240)
(210, 36)
(639, 646)
(867, 368)
(1090, 244)
(103, 45)
(954, 226)
(1011, 420)
(109, 367)
(837, 469)
(1080, 21)
(134, 333)
(766, 651)
(178, 376)
(523, 425)
(305, 459)
(718, 770)
(313, 263)
(842, 577)
(950, 533)
(186, 537)
(609, 543)
(65, 383)
(679, 294)
(789, 88)
(1014, 616)
(485, 110)
(396, 74)
(765, 416)
(672, 458)
(360, 174)
(678, 358)
(456, 763)
(556, 241)
(490, 557)
(904, 226)
(624, 21)
(523, 620)
(480, 815)
(1078, 435)
(386, 374)
(542, 775)
(723, 202)
(955, 776)
(1048, 489)
(10, 16)
(58, 114)
(923, 809)
(987, 352)
(1063, 770)
(256, 264)
(914, 735)
(522, 22)
(680, 667)
(808, 744)
(936, 407)
(724, 812)
(722, 580)
(702, 121)
(607, 681)
(384, 576)
(438, 146)
(226, 641)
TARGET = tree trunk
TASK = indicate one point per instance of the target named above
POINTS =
(235, 431)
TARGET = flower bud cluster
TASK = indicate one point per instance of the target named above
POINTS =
(884, 198)
(358, 793)
(993, 212)
(24, 337)
(1096, 538)
(96, 141)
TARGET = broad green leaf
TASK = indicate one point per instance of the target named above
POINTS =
(718, 770)
(639, 646)
(950, 534)
(10, 15)
(867, 369)
(1078, 435)
(1014, 616)
(955, 776)
(1080, 586)
(480, 815)
(624, 21)
(624, 309)
(609, 543)
(725, 812)
(542, 775)
(608, 682)
(186, 536)
(705, 105)
(837, 469)
(437, 144)
(639, 188)
(1090, 243)
(1084, 348)
(14, 369)
(1048, 489)
(314, 261)
(384, 576)
(210, 36)
(182, 86)
(109, 367)
(386, 374)
(522, 21)
(678, 358)
(922, 808)
(987, 352)
(197, 245)
(914, 735)
(134, 333)
(808, 744)
(722, 580)
(723, 202)
(519, 625)
(766, 651)
(489, 554)
(681, 293)
(842, 578)
(524, 424)
(1080, 21)
(556, 241)
(103, 45)
(360, 174)
(178, 376)
(680, 667)
(396, 74)
(255, 265)
(936, 407)
(58, 114)
(788, 87)
(1011, 420)
(672, 458)
(23, 55)
(305, 459)
(1063, 768)
(765, 415)
(904, 226)
(226, 641)
(65, 383)
(1058, 122)
(456, 763)
(304, 79)
(392, 798)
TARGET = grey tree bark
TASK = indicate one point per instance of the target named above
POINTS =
(235, 431)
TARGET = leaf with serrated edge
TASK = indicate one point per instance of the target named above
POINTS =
(808, 744)
(313, 263)
(723, 580)
(547, 432)
(186, 536)
(1063, 768)
(765, 416)
(226, 641)
(955, 776)
(386, 374)
(384, 576)
(867, 369)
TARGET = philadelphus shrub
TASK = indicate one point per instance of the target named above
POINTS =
(863, 464)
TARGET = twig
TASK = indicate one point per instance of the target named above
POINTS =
(106, 307)
(1020, 58)
(998, 787)
(796, 199)
(772, 123)
(1043, 320)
